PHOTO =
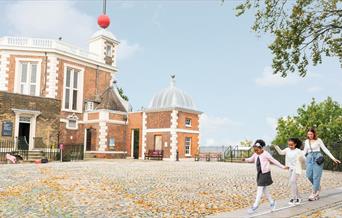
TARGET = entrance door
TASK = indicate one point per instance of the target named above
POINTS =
(158, 142)
(88, 142)
(135, 137)
(24, 136)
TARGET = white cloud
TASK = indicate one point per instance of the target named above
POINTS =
(127, 50)
(54, 19)
(50, 19)
(218, 131)
(269, 79)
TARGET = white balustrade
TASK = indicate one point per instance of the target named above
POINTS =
(47, 44)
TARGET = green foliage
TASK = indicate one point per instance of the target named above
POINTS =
(303, 30)
(325, 116)
(246, 143)
(121, 92)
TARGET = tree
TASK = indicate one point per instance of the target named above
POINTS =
(246, 143)
(123, 96)
(302, 30)
(325, 116)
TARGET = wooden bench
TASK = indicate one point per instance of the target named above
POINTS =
(217, 156)
(154, 154)
(201, 156)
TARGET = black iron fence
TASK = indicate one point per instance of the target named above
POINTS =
(236, 153)
(10, 147)
(20, 148)
(72, 152)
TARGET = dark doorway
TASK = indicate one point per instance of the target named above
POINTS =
(135, 133)
(24, 136)
(89, 136)
(24, 131)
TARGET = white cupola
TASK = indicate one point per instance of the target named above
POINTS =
(103, 43)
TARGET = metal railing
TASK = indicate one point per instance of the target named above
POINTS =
(73, 152)
(8, 146)
(236, 153)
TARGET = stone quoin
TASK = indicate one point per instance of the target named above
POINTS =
(62, 94)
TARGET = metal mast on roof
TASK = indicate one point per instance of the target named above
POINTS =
(104, 6)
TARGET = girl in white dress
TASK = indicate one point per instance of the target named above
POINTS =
(295, 160)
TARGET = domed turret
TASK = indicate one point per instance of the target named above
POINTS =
(172, 97)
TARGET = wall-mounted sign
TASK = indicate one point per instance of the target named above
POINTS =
(7, 128)
(111, 142)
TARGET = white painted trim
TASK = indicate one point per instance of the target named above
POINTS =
(4, 68)
(17, 82)
(80, 88)
(52, 76)
(132, 143)
(174, 140)
(28, 52)
(66, 121)
(171, 129)
(49, 45)
(85, 140)
(33, 121)
(144, 127)
(151, 110)
(109, 121)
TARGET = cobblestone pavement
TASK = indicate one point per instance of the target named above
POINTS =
(334, 211)
(128, 188)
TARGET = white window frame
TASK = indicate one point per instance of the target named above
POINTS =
(80, 84)
(72, 117)
(109, 54)
(89, 106)
(188, 154)
(186, 124)
(17, 76)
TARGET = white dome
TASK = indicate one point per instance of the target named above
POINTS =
(172, 97)
(105, 33)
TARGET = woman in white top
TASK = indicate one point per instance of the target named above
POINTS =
(295, 160)
(314, 163)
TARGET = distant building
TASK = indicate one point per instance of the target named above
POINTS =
(52, 92)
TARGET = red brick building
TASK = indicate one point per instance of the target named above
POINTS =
(81, 86)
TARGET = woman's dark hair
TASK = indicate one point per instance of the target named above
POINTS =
(314, 132)
(297, 142)
(260, 142)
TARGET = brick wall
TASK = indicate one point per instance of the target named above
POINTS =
(181, 144)
(166, 138)
(134, 122)
(158, 120)
(119, 134)
(182, 116)
(47, 122)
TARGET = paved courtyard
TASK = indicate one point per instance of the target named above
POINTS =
(128, 188)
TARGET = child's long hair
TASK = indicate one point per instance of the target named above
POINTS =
(297, 142)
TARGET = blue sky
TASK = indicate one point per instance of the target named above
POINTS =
(218, 60)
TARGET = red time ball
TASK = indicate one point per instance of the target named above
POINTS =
(103, 21)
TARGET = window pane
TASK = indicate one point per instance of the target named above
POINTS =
(72, 123)
(33, 73)
(68, 74)
(75, 79)
(33, 90)
(74, 100)
(109, 51)
(24, 72)
(67, 97)
(22, 88)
